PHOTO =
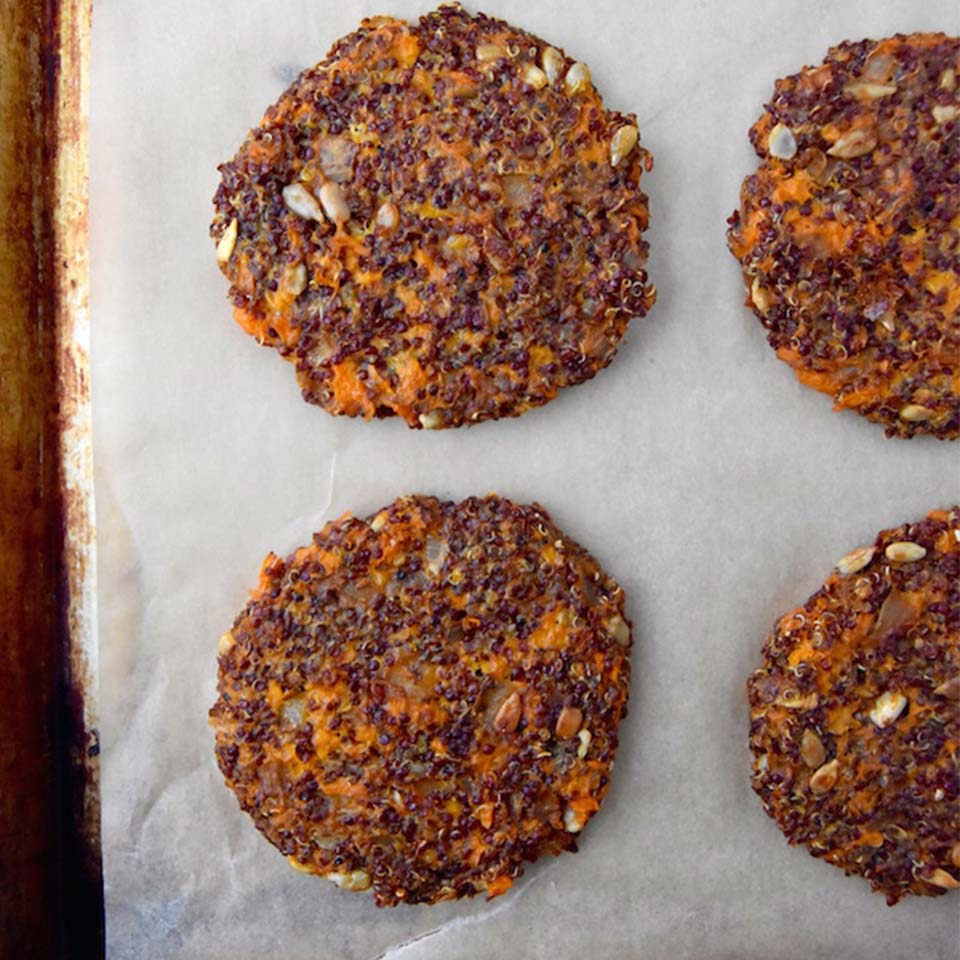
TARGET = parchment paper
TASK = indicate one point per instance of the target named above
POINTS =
(716, 489)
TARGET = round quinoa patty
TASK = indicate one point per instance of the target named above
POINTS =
(423, 700)
(439, 221)
(849, 231)
(855, 729)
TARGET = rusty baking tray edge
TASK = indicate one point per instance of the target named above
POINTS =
(69, 65)
(51, 897)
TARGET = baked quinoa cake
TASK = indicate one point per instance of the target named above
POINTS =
(439, 221)
(421, 701)
(849, 231)
(854, 726)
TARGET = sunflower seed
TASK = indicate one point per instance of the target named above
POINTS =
(825, 777)
(618, 629)
(295, 279)
(863, 90)
(944, 114)
(573, 822)
(940, 878)
(878, 67)
(228, 241)
(782, 143)
(302, 202)
(355, 880)
(624, 140)
(577, 78)
(852, 144)
(568, 723)
(534, 77)
(489, 52)
(761, 296)
(812, 750)
(914, 413)
(431, 421)
(856, 560)
(335, 202)
(388, 216)
(887, 707)
(904, 551)
(508, 716)
(552, 64)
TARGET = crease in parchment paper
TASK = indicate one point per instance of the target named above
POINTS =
(299, 529)
(454, 924)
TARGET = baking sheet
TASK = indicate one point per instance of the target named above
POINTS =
(716, 489)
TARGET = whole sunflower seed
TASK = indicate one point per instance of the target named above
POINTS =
(335, 202)
(299, 200)
(623, 141)
(905, 551)
(577, 78)
(856, 560)
(552, 64)
(228, 242)
(782, 143)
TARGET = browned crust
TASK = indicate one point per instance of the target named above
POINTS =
(848, 231)
(425, 699)
(494, 251)
(50, 889)
(855, 729)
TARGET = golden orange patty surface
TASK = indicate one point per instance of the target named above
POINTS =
(855, 729)
(439, 221)
(423, 700)
(849, 231)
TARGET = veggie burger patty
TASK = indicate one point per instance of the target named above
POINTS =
(849, 231)
(855, 728)
(439, 221)
(421, 701)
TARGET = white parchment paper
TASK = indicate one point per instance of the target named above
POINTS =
(716, 489)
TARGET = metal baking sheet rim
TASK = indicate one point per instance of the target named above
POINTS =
(48, 43)
(69, 59)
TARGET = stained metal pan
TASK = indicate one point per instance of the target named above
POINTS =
(51, 899)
